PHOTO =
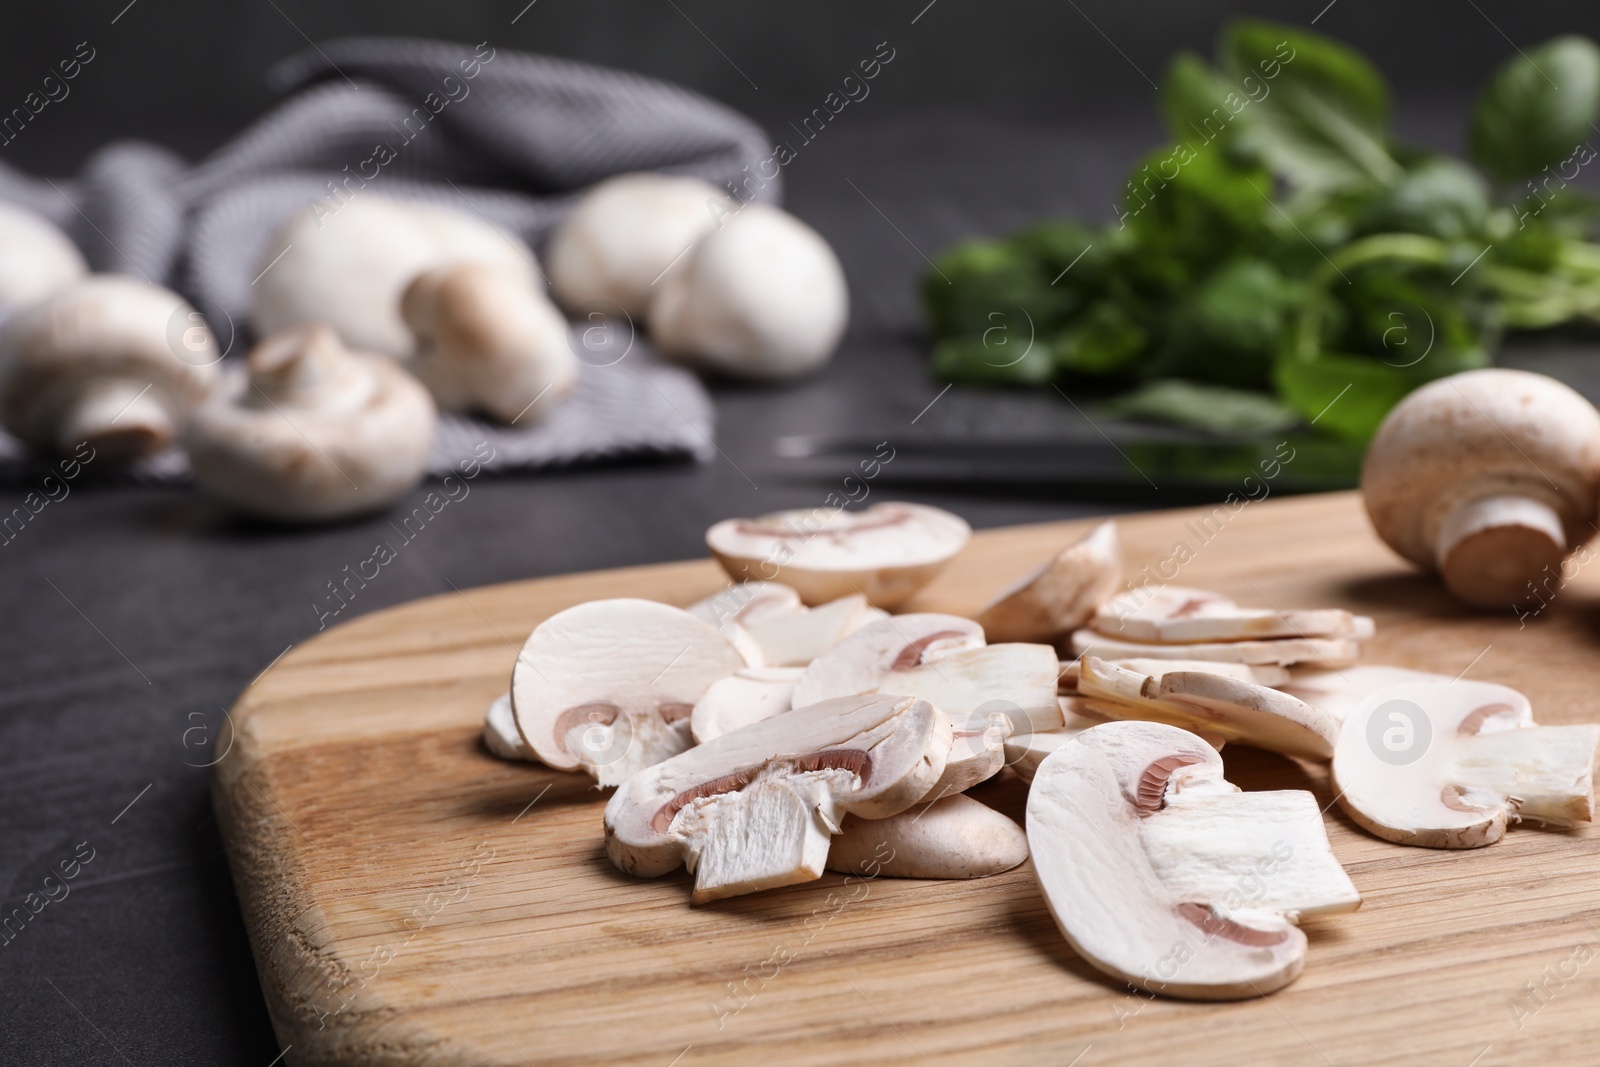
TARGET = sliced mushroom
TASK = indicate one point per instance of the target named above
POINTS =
(348, 269)
(755, 808)
(36, 259)
(1448, 764)
(1489, 477)
(500, 731)
(99, 361)
(743, 697)
(1174, 614)
(955, 837)
(307, 430)
(625, 234)
(1279, 651)
(886, 552)
(1202, 701)
(899, 642)
(762, 297)
(1061, 595)
(1159, 874)
(795, 639)
(608, 686)
(1263, 674)
(488, 341)
(747, 602)
(1339, 691)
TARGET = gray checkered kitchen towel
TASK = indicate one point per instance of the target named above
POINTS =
(511, 137)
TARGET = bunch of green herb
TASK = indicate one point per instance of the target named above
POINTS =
(1286, 251)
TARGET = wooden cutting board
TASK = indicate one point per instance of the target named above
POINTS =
(412, 900)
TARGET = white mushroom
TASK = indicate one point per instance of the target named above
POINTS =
(755, 808)
(743, 697)
(500, 731)
(489, 342)
(747, 602)
(1261, 674)
(795, 639)
(1161, 874)
(955, 837)
(36, 259)
(1205, 702)
(1174, 614)
(349, 268)
(1448, 764)
(886, 552)
(625, 234)
(109, 360)
(608, 686)
(1278, 651)
(762, 297)
(1061, 595)
(1339, 691)
(307, 430)
(1489, 477)
(900, 642)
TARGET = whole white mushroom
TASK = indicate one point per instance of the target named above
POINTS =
(763, 297)
(624, 234)
(109, 360)
(349, 269)
(36, 258)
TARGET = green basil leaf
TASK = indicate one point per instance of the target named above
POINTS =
(1194, 100)
(1537, 110)
(1106, 340)
(1440, 197)
(1213, 408)
(995, 359)
(1230, 328)
(1319, 112)
(1344, 395)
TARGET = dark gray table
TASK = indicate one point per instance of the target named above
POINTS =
(134, 616)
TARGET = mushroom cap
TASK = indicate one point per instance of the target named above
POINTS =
(489, 341)
(885, 552)
(1475, 435)
(953, 837)
(349, 268)
(762, 297)
(859, 662)
(747, 602)
(743, 697)
(624, 234)
(1448, 764)
(614, 662)
(107, 328)
(36, 258)
(895, 748)
(500, 734)
(307, 430)
(1085, 809)
(1061, 594)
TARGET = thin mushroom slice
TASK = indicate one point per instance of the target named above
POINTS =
(500, 731)
(856, 663)
(797, 638)
(955, 837)
(1279, 651)
(1340, 691)
(1235, 709)
(886, 552)
(747, 602)
(755, 808)
(608, 686)
(1150, 866)
(1174, 614)
(1448, 764)
(744, 697)
(1024, 752)
(1062, 594)
(1262, 674)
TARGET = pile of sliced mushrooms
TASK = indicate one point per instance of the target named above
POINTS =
(790, 725)
(374, 317)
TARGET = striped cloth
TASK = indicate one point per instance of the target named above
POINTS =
(511, 137)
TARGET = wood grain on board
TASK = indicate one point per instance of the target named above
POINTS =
(412, 900)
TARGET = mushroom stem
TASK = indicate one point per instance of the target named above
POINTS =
(1493, 550)
(119, 417)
